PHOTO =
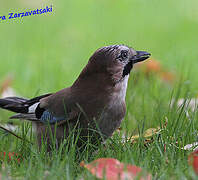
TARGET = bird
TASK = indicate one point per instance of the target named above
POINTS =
(94, 103)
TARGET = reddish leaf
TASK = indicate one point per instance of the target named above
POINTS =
(167, 76)
(10, 155)
(193, 160)
(112, 169)
(154, 67)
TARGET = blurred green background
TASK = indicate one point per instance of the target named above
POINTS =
(46, 52)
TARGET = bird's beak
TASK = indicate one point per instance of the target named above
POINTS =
(140, 56)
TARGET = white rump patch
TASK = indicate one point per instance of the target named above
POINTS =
(33, 107)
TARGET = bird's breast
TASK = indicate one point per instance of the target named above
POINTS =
(115, 110)
(111, 117)
(119, 91)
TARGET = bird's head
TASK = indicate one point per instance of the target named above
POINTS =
(115, 62)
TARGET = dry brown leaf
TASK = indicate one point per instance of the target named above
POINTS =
(148, 133)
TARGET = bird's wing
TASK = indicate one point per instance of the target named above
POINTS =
(58, 108)
(48, 108)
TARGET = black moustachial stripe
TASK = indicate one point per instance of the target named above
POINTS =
(127, 69)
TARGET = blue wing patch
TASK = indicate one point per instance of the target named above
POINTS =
(47, 117)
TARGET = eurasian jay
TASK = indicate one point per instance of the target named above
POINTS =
(95, 102)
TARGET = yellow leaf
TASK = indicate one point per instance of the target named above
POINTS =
(148, 133)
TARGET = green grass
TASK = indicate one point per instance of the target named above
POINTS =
(46, 53)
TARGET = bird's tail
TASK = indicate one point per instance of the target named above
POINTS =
(24, 107)
(14, 104)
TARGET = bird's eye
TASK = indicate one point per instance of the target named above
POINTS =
(124, 54)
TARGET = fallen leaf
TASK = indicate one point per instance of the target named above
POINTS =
(193, 161)
(154, 67)
(112, 169)
(167, 76)
(148, 133)
(11, 156)
(149, 66)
